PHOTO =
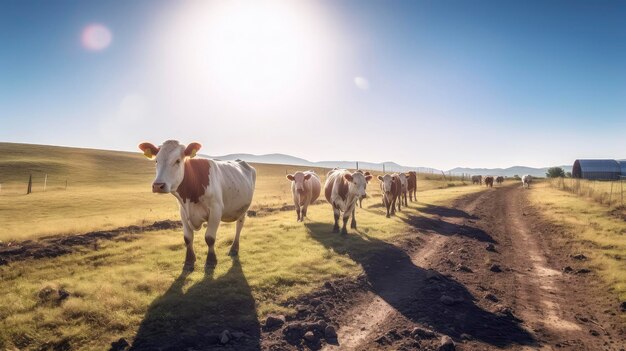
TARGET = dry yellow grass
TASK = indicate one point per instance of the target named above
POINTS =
(598, 233)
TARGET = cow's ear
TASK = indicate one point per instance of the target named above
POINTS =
(367, 173)
(307, 177)
(348, 177)
(149, 150)
(192, 149)
(380, 178)
(368, 177)
(290, 177)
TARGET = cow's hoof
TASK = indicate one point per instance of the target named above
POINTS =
(233, 252)
(353, 225)
(388, 216)
(336, 229)
(188, 267)
(344, 231)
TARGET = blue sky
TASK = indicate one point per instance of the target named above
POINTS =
(448, 83)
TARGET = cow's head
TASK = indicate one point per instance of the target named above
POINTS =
(357, 183)
(298, 178)
(170, 163)
(386, 182)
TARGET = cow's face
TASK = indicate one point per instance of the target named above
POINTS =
(170, 163)
(298, 179)
(358, 183)
(385, 185)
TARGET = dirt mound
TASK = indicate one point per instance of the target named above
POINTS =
(60, 245)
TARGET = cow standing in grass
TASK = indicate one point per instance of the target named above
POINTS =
(361, 198)
(342, 190)
(526, 180)
(390, 187)
(489, 182)
(404, 183)
(477, 179)
(305, 187)
(500, 180)
(412, 185)
(207, 191)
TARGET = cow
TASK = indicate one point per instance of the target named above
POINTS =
(489, 181)
(526, 180)
(477, 179)
(305, 187)
(500, 179)
(412, 185)
(404, 182)
(390, 187)
(342, 190)
(208, 191)
(361, 198)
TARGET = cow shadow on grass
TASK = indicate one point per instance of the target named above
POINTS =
(194, 318)
(417, 293)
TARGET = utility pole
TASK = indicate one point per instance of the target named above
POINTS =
(30, 185)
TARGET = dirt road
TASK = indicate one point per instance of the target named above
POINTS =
(487, 272)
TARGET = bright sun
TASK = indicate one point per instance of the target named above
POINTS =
(252, 51)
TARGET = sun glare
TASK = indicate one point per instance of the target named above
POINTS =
(260, 52)
(96, 37)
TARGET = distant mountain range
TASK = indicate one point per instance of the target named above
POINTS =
(283, 159)
(507, 172)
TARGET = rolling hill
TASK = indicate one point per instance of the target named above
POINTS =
(507, 172)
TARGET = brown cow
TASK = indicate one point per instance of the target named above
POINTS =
(391, 188)
(489, 182)
(477, 179)
(500, 179)
(412, 179)
(305, 188)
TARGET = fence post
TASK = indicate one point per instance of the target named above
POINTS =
(66, 184)
(45, 182)
(30, 184)
(357, 165)
(610, 194)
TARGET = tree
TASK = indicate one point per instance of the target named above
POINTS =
(555, 172)
(568, 174)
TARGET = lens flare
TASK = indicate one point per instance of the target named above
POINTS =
(96, 37)
(361, 83)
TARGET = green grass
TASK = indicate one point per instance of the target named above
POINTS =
(594, 230)
(132, 286)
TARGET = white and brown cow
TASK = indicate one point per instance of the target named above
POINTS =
(306, 187)
(342, 190)
(207, 191)
(404, 182)
(526, 180)
(390, 186)
(363, 197)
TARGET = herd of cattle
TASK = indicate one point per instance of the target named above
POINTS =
(213, 191)
(488, 180)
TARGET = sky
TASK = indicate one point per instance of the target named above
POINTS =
(423, 83)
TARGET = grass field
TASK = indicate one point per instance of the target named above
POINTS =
(597, 231)
(106, 190)
(130, 286)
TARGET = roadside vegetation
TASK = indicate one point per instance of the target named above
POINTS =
(120, 288)
(597, 230)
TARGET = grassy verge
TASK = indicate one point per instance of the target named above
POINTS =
(133, 285)
(598, 233)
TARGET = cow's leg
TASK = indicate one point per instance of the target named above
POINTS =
(346, 216)
(399, 201)
(190, 257)
(360, 202)
(298, 211)
(210, 235)
(353, 222)
(336, 226)
(234, 248)
(386, 203)
(305, 207)
(393, 206)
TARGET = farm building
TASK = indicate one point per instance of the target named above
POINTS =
(599, 169)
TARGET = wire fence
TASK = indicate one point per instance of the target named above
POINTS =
(604, 192)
